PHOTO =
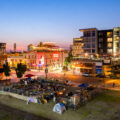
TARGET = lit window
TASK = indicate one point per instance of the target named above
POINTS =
(109, 34)
(109, 50)
(109, 39)
(109, 45)
(117, 38)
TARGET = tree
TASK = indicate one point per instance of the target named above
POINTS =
(20, 70)
(6, 69)
(69, 58)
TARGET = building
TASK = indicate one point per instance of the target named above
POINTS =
(90, 40)
(105, 42)
(13, 60)
(3, 59)
(41, 56)
(2, 48)
(89, 66)
(94, 41)
(77, 50)
(14, 47)
(42, 59)
(44, 46)
(116, 40)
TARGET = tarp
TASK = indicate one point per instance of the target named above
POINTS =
(31, 99)
(29, 75)
(59, 108)
(44, 81)
(82, 85)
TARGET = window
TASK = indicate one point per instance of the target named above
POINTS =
(117, 38)
(93, 45)
(109, 50)
(117, 32)
(93, 50)
(100, 45)
(109, 34)
(109, 45)
(101, 50)
(93, 33)
(100, 39)
(116, 44)
(93, 39)
(88, 46)
(100, 34)
(109, 40)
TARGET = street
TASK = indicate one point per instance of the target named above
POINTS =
(74, 79)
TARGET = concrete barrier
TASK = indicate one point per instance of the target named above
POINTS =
(21, 97)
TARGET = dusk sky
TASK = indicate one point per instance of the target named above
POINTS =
(30, 21)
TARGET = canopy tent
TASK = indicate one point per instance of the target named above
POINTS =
(29, 75)
(82, 85)
(59, 108)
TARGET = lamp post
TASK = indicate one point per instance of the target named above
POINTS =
(39, 67)
(46, 69)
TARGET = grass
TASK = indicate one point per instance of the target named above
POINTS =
(106, 106)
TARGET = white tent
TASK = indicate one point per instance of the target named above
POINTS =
(59, 108)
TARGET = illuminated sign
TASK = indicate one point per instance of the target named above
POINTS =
(55, 55)
(33, 64)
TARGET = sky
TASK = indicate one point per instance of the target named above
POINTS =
(27, 22)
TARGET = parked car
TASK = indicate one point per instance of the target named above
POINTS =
(86, 74)
(114, 77)
(100, 76)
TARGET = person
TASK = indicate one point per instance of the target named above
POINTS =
(113, 85)
(54, 99)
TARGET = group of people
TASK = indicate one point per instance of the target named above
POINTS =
(44, 91)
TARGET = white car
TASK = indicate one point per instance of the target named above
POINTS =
(86, 74)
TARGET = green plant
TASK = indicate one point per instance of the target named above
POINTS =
(20, 70)
(6, 69)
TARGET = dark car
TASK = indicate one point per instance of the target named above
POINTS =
(101, 76)
(114, 77)
(86, 74)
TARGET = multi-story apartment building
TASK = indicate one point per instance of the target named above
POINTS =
(90, 40)
(77, 47)
(102, 42)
